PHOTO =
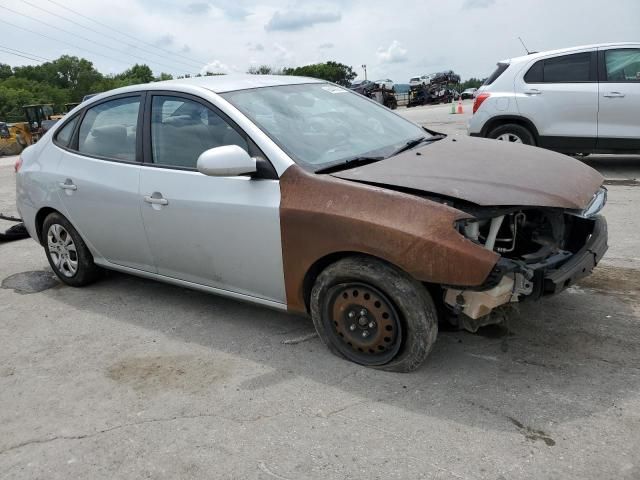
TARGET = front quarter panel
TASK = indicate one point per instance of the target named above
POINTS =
(321, 215)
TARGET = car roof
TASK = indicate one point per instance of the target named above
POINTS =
(214, 83)
(229, 83)
(560, 51)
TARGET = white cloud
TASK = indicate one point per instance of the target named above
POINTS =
(478, 3)
(217, 66)
(291, 20)
(395, 53)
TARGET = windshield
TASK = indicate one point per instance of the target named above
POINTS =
(320, 124)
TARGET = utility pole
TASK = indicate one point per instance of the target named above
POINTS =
(365, 71)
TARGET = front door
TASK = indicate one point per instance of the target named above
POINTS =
(98, 181)
(222, 232)
(619, 112)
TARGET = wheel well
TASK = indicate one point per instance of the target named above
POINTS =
(324, 262)
(503, 120)
(40, 216)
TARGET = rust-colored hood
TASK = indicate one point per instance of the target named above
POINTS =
(486, 172)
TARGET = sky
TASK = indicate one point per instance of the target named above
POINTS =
(395, 39)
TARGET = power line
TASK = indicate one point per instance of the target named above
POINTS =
(172, 67)
(200, 62)
(19, 55)
(65, 43)
(40, 58)
(128, 44)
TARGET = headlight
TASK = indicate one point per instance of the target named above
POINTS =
(596, 204)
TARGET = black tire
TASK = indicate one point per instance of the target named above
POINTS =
(411, 315)
(86, 271)
(516, 130)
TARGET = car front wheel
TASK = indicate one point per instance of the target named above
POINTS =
(512, 133)
(67, 253)
(373, 314)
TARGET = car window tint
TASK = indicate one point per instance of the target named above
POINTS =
(64, 134)
(496, 73)
(182, 129)
(623, 65)
(534, 75)
(568, 68)
(109, 129)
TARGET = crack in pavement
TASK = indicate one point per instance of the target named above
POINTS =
(37, 441)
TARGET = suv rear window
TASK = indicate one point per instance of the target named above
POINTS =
(496, 73)
(564, 69)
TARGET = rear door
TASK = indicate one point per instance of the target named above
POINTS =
(98, 180)
(560, 96)
(619, 110)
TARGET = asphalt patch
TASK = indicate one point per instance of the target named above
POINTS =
(26, 283)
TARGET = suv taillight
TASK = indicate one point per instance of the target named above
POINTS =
(18, 164)
(479, 99)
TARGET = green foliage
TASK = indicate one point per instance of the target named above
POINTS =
(263, 70)
(330, 71)
(471, 83)
(64, 80)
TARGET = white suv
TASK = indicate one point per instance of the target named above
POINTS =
(576, 100)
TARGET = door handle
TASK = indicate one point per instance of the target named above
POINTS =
(533, 91)
(157, 200)
(614, 95)
(68, 185)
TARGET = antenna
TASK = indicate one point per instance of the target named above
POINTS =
(525, 47)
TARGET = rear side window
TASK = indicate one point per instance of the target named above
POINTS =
(572, 68)
(496, 73)
(64, 134)
(622, 65)
(109, 129)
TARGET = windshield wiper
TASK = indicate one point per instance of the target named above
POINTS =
(352, 162)
(414, 143)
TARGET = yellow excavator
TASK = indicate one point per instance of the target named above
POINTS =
(15, 137)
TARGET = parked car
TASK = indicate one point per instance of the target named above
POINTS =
(469, 93)
(305, 197)
(386, 83)
(576, 100)
(422, 80)
(363, 87)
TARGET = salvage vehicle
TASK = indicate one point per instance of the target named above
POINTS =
(303, 196)
(574, 100)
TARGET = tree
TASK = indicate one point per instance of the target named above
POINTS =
(164, 76)
(262, 70)
(330, 71)
(5, 71)
(471, 83)
(137, 74)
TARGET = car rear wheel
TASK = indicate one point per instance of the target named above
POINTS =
(373, 314)
(67, 253)
(512, 133)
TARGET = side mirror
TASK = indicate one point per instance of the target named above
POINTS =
(226, 161)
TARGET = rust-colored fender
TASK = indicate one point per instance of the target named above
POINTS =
(321, 215)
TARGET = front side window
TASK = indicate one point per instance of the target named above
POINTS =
(320, 124)
(109, 129)
(182, 129)
(64, 134)
(622, 65)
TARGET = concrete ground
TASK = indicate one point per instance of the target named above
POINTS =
(130, 378)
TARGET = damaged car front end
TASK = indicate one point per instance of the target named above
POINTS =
(542, 251)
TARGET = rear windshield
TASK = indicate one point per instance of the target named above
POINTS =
(496, 73)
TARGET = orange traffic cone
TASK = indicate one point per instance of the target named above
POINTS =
(460, 110)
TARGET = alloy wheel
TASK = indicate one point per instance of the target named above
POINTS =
(62, 250)
(509, 137)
